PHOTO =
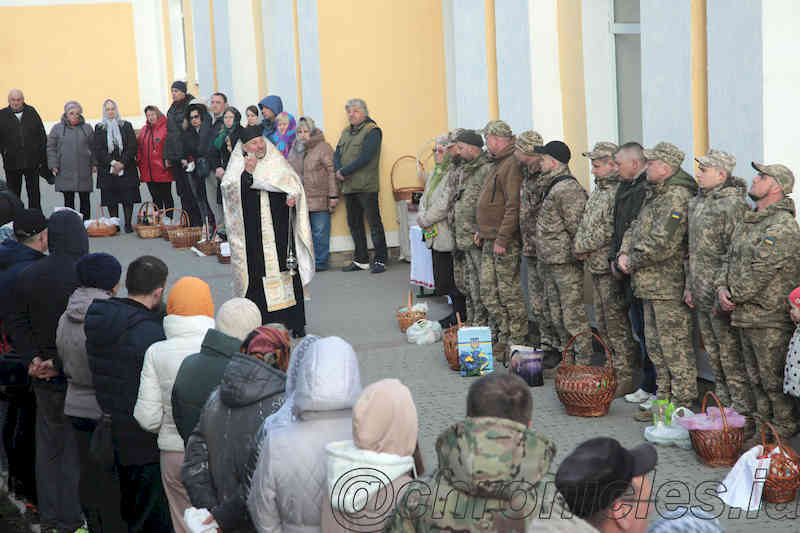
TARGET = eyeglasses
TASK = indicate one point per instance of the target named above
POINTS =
(194, 117)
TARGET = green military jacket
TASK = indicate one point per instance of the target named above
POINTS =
(366, 178)
(713, 215)
(559, 215)
(472, 177)
(530, 200)
(656, 242)
(597, 225)
(763, 266)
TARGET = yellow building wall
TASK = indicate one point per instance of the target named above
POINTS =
(389, 53)
(77, 52)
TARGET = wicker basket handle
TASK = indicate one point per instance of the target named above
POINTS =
(147, 208)
(184, 218)
(593, 334)
(721, 409)
(394, 166)
(410, 301)
(764, 439)
(458, 319)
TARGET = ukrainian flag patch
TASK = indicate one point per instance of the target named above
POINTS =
(675, 215)
(769, 240)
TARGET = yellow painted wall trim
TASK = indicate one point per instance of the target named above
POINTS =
(261, 63)
(699, 77)
(170, 65)
(213, 43)
(298, 71)
(188, 32)
(491, 61)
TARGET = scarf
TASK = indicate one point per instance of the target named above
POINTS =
(438, 173)
(224, 132)
(113, 135)
(284, 142)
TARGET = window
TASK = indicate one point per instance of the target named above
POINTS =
(628, 57)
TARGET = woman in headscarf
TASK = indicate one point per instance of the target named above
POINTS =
(69, 156)
(153, 168)
(115, 155)
(253, 118)
(284, 134)
(223, 145)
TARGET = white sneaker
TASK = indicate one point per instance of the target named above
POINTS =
(637, 397)
(647, 405)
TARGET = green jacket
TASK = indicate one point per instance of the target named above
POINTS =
(763, 266)
(656, 242)
(473, 175)
(367, 177)
(558, 218)
(597, 225)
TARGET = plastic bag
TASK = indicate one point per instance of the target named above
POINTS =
(424, 332)
(672, 433)
(744, 483)
(194, 519)
(712, 420)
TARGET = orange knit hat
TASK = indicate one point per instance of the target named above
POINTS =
(190, 297)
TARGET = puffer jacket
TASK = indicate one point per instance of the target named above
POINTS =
(162, 361)
(71, 343)
(222, 450)
(713, 216)
(314, 165)
(763, 267)
(69, 149)
(597, 225)
(435, 206)
(289, 482)
(173, 149)
(479, 459)
(150, 145)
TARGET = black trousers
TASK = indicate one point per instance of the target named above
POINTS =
(144, 503)
(14, 179)
(19, 437)
(161, 194)
(358, 205)
(69, 201)
(184, 190)
(445, 283)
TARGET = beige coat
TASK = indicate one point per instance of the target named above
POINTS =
(315, 168)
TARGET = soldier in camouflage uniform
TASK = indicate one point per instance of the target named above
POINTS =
(540, 330)
(762, 270)
(473, 170)
(563, 200)
(498, 234)
(592, 242)
(713, 215)
(654, 251)
(483, 460)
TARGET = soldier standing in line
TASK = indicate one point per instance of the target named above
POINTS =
(713, 215)
(762, 270)
(498, 235)
(654, 251)
(541, 331)
(592, 242)
(563, 200)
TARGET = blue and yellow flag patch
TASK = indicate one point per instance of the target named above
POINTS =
(676, 215)
(769, 240)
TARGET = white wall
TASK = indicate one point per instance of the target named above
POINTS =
(548, 113)
(243, 52)
(150, 58)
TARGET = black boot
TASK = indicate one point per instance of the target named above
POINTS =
(128, 209)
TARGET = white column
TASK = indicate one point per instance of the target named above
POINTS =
(243, 53)
(150, 57)
(548, 113)
(599, 73)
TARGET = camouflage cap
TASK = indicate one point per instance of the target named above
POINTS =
(666, 152)
(451, 137)
(602, 149)
(527, 141)
(779, 173)
(497, 128)
(718, 159)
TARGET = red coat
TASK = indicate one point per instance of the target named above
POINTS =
(150, 152)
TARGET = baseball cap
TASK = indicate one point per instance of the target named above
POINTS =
(497, 128)
(527, 141)
(601, 149)
(555, 149)
(469, 137)
(666, 152)
(29, 222)
(779, 172)
(718, 159)
(599, 471)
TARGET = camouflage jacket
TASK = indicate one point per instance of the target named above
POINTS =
(530, 200)
(763, 267)
(656, 242)
(559, 215)
(484, 461)
(597, 225)
(472, 176)
(713, 215)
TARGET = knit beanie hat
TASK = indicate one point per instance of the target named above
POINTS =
(180, 85)
(794, 297)
(99, 270)
(190, 297)
(238, 317)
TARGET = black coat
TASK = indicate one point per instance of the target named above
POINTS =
(627, 204)
(14, 258)
(173, 149)
(196, 144)
(118, 333)
(23, 145)
(222, 451)
(130, 177)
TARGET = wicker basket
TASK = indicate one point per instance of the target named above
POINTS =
(406, 193)
(586, 390)
(183, 221)
(182, 238)
(406, 317)
(783, 478)
(146, 225)
(717, 447)
(98, 229)
(224, 259)
(210, 245)
(450, 343)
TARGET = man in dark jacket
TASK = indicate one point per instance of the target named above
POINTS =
(30, 231)
(42, 292)
(118, 332)
(173, 149)
(23, 145)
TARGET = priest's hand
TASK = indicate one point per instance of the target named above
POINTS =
(250, 162)
(220, 172)
(290, 200)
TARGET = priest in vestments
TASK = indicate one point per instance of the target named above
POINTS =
(267, 219)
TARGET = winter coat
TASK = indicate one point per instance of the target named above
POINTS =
(150, 145)
(597, 225)
(23, 143)
(198, 376)
(197, 142)
(221, 156)
(130, 174)
(434, 208)
(222, 451)
(479, 459)
(289, 482)
(44, 288)
(118, 332)
(173, 149)
(69, 149)
(162, 360)
(71, 342)
(275, 104)
(498, 204)
(315, 166)
(763, 267)
(14, 258)
(558, 218)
